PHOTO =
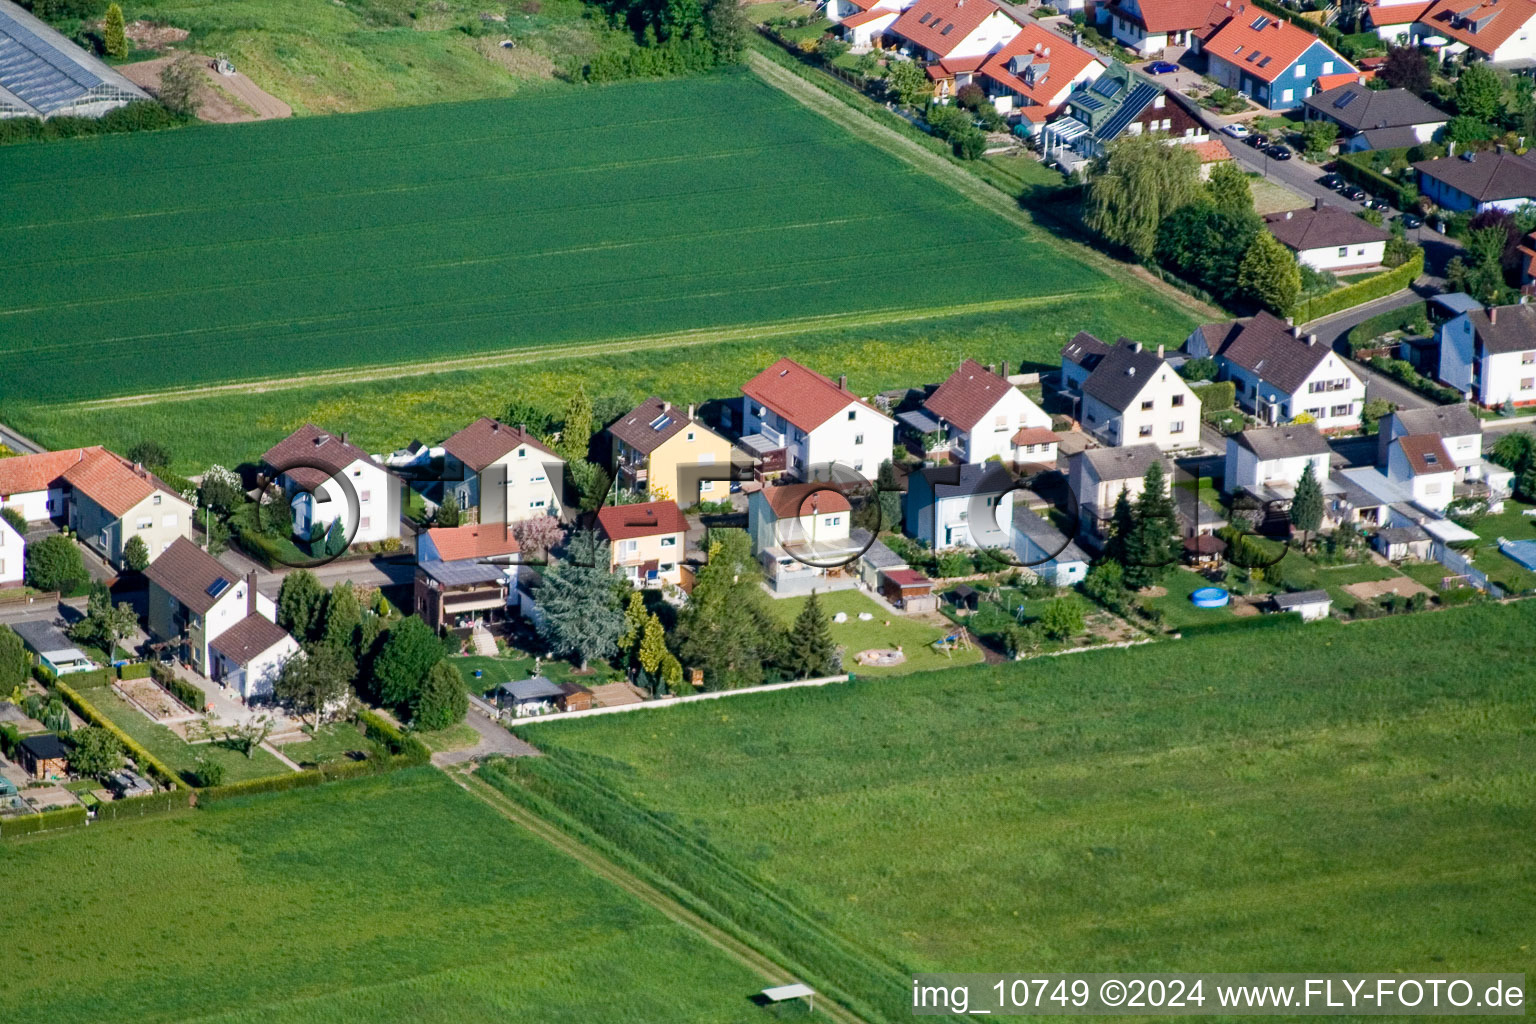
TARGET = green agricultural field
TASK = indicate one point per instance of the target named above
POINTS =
(608, 224)
(1334, 798)
(394, 899)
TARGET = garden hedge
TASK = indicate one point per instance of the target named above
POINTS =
(148, 763)
(94, 677)
(1404, 373)
(251, 787)
(380, 730)
(1352, 295)
(1216, 397)
(1365, 333)
(137, 670)
(1353, 167)
(64, 817)
(179, 688)
(139, 806)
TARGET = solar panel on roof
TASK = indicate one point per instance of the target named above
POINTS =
(1106, 86)
(924, 19)
(1260, 22)
(1091, 103)
(217, 587)
(1345, 100)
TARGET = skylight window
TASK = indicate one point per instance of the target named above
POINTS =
(217, 587)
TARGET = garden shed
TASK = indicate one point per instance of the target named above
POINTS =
(965, 597)
(1311, 605)
(44, 756)
(908, 590)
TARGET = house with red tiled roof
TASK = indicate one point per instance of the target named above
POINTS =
(862, 22)
(978, 413)
(1500, 31)
(111, 500)
(466, 574)
(502, 474)
(647, 541)
(1394, 20)
(1151, 26)
(34, 484)
(1272, 61)
(801, 532)
(798, 423)
(954, 30)
(1035, 72)
(326, 479)
(1420, 463)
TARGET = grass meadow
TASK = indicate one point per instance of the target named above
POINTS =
(1346, 798)
(392, 899)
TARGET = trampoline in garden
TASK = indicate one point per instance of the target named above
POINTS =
(1522, 551)
(1210, 597)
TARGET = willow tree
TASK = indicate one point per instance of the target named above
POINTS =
(1138, 182)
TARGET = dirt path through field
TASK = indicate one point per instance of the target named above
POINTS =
(227, 99)
(957, 178)
(543, 353)
(611, 872)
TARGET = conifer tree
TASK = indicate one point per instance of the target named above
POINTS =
(114, 38)
(811, 651)
(1307, 505)
(1149, 549)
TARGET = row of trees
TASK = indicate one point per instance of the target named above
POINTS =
(671, 37)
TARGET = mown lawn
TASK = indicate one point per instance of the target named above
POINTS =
(914, 637)
(1511, 524)
(1332, 797)
(172, 749)
(514, 666)
(331, 743)
(393, 899)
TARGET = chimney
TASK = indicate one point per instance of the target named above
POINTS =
(343, 437)
(1135, 346)
(991, 367)
(1159, 351)
(666, 406)
(1002, 369)
(1311, 339)
(690, 411)
(250, 592)
(1295, 331)
(842, 382)
(1493, 314)
(522, 428)
(495, 426)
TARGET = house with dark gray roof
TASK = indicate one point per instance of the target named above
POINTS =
(1079, 358)
(1327, 237)
(1375, 118)
(193, 598)
(663, 450)
(1270, 461)
(1133, 396)
(1497, 180)
(1096, 477)
(43, 74)
(1489, 355)
(960, 506)
(1045, 550)
(1280, 373)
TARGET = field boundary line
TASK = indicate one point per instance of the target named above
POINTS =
(606, 869)
(550, 352)
(960, 180)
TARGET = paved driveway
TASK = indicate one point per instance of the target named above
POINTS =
(494, 740)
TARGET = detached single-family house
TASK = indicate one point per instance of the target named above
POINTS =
(1151, 26)
(1497, 180)
(980, 414)
(862, 23)
(1080, 357)
(466, 573)
(798, 423)
(1270, 60)
(1396, 21)
(803, 532)
(1118, 103)
(1269, 462)
(1500, 31)
(13, 555)
(195, 598)
(1461, 432)
(1045, 550)
(34, 485)
(1420, 465)
(1311, 605)
(1035, 72)
(112, 500)
(1329, 238)
(43, 756)
(648, 541)
(53, 649)
(664, 452)
(959, 33)
(502, 474)
(967, 506)
(1098, 475)
(248, 656)
(1490, 355)
(325, 479)
(1375, 118)
(1279, 373)
(1134, 397)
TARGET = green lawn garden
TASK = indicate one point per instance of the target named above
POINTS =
(1511, 524)
(394, 900)
(514, 665)
(1213, 801)
(914, 637)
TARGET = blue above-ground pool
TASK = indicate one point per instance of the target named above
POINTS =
(1210, 597)
(1521, 551)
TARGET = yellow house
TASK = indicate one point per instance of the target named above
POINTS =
(647, 541)
(670, 455)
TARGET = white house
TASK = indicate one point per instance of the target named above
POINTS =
(1479, 181)
(1499, 31)
(799, 423)
(34, 484)
(861, 22)
(954, 30)
(502, 474)
(1035, 72)
(1327, 237)
(194, 597)
(967, 506)
(1280, 374)
(1134, 397)
(1461, 433)
(1080, 357)
(1273, 459)
(1151, 26)
(801, 533)
(1490, 355)
(980, 413)
(13, 555)
(1045, 550)
(1098, 475)
(1420, 464)
(248, 656)
(328, 479)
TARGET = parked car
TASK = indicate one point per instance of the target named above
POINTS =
(1377, 204)
(1278, 152)
(1354, 194)
(1332, 181)
(1258, 141)
(1237, 131)
(1161, 67)
(1411, 220)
